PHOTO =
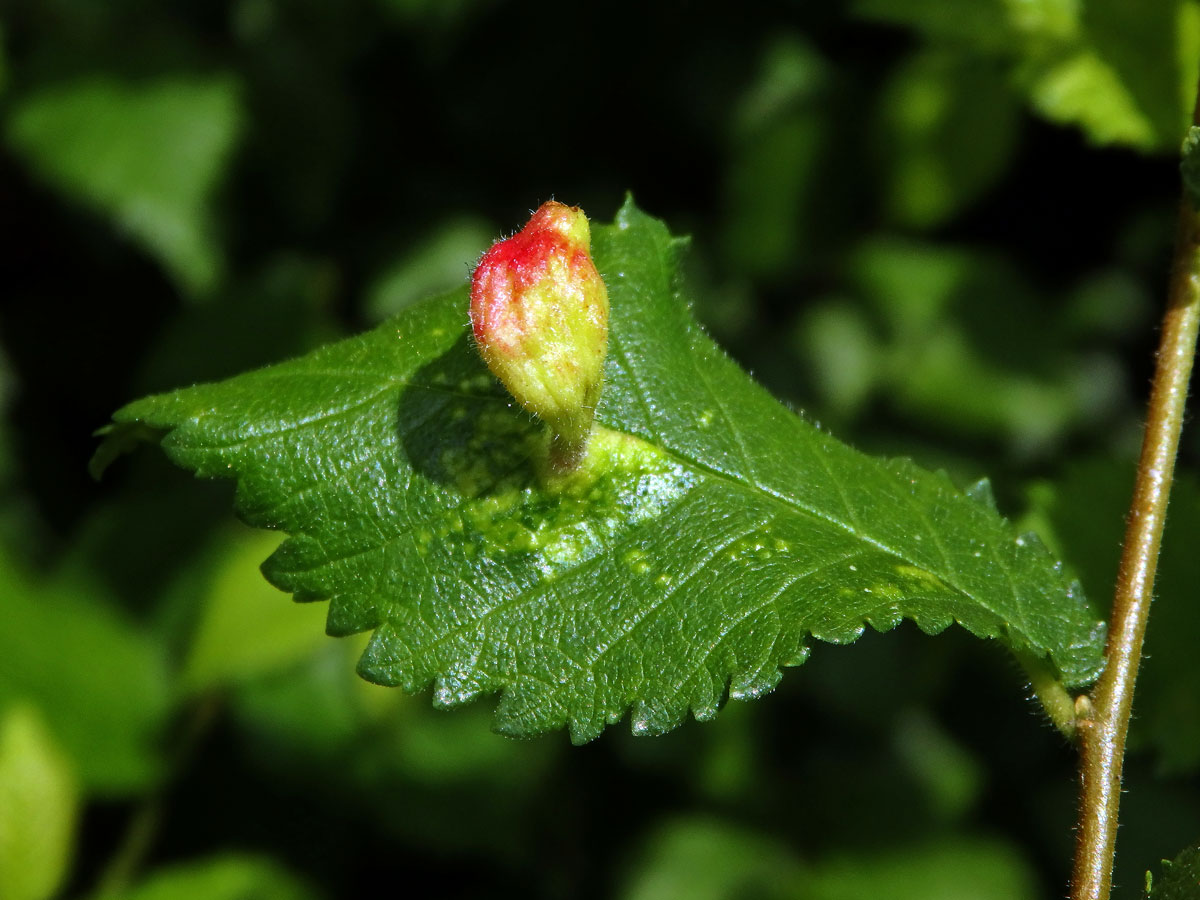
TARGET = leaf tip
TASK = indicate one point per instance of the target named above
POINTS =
(117, 439)
(981, 492)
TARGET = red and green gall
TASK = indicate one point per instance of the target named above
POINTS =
(539, 313)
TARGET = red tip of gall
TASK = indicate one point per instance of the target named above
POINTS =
(513, 266)
(539, 312)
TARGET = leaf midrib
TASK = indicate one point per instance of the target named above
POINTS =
(733, 479)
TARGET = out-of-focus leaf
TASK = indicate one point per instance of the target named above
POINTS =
(438, 264)
(712, 532)
(1083, 89)
(1108, 304)
(950, 776)
(846, 359)
(96, 678)
(697, 859)
(1124, 73)
(38, 807)
(246, 626)
(708, 860)
(948, 130)
(149, 155)
(984, 24)
(221, 878)
(1187, 54)
(778, 135)
(958, 340)
(1143, 44)
(729, 764)
(949, 869)
(425, 777)
(320, 710)
(1180, 878)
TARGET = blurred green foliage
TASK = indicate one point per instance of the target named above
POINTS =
(38, 806)
(1079, 62)
(147, 155)
(941, 229)
(97, 679)
(221, 878)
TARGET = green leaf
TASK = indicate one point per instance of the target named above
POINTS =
(38, 807)
(711, 534)
(148, 155)
(97, 679)
(221, 878)
(1180, 879)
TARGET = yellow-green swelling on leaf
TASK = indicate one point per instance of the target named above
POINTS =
(220, 878)
(94, 675)
(711, 537)
(246, 627)
(148, 155)
(38, 806)
(1180, 878)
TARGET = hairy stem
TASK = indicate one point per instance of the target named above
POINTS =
(1102, 734)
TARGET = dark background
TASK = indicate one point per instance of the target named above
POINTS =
(893, 228)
